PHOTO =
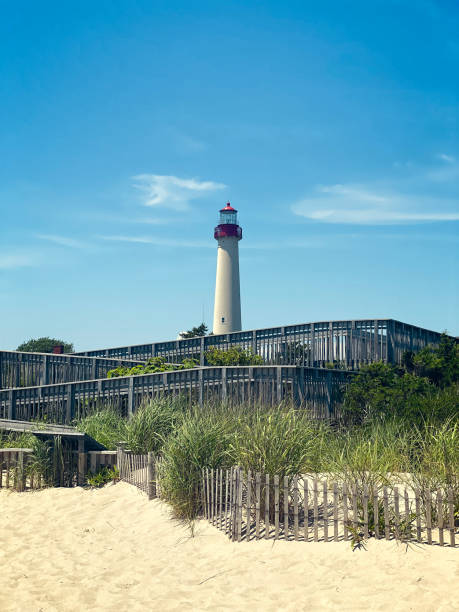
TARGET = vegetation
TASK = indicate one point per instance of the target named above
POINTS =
(425, 387)
(103, 477)
(44, 345)
(153, 365)
(194, 332)
(234, 356)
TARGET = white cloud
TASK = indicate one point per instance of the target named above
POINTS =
(172, 191)
(166, 242)
(12, 261)
(356, 204)
(63, 241)
(446, 158)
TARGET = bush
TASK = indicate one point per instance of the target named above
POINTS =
(153, 365)
(232, 357)
(103, 476)
(44, 345)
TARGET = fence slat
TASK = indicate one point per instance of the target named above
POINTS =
(306, 509)
(276, 507)
(440, 517)
(316, 510)
(266, 506)
(365, 511)
(417, 498)
(249, 505)
(325, 510)
(286, 526)
(295, 506)
(451, 517)
(429, 515)
(397, 513)
(386, 514)
(345, 512)
(239, 482)
(376, 512)
(335, 512)
(258, 504)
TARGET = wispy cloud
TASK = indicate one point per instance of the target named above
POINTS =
(12, 261)
(446, 158)
(171, 191)
(357, 204)
(63, 241)
(166, 242)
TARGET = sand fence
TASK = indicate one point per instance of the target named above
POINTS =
(249, 506)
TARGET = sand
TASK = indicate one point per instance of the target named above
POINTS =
(112, 549)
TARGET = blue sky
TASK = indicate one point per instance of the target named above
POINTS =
(124, 126)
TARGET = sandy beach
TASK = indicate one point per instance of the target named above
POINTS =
(111, 549)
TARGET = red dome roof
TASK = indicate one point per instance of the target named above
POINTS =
(228, 208)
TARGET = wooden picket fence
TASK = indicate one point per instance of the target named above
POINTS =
(253, 506)
(14, 464)
(142, 471)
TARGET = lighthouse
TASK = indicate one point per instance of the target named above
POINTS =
(227, 308)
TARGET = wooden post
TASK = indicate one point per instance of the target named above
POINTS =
(345, 515)
(131, 397)
(286, 527)
(440, 517)
(239, 504)
(295, 506)
(316, 510)
(249, 503)
(335, 512)
(276, 507)
(451, 517)
(429, 515)
(267, 506)
(70, 405)
(11, 404)
(418, 516)
(306, 510)
(258, 504)
(396, 513)
(386, 514)
(81, 462)
(365, 511)
(151, 476)
(325, 509)
(376, 512)
(20, 471)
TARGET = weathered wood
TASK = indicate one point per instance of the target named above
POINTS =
(376, 512)
(335, 513)
(306, 509)
(396, 513)
(345, 512)
(151, 475)
(267, 501)
(295, 508)
(418, 515)
(440, 517)
(286, 517)
(451, 518)
(355, 516)
(386, 514)
(257, 504)
(316, 509)
(429, 516)
(276, 506)
(365, 511)
(249, 505)
(239, 482)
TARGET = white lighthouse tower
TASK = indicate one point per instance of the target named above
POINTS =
(227, 309)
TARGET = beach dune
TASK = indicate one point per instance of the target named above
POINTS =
(112, 549)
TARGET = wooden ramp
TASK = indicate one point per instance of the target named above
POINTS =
(50, 430)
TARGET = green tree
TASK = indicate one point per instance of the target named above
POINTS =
(200, 330)
(44, 345)
(232, 357)
(440, 364)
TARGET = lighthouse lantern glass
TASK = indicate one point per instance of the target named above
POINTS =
(229, 217)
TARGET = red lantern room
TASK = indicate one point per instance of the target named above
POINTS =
(227, 224)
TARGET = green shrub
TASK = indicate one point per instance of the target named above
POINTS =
(233, 356)
(103, 476)
(152, 366)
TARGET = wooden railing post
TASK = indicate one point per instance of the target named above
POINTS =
(11, 404)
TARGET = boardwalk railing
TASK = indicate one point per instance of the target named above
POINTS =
(318, 390)
(31, 369)
(348, 343)
(253, 506)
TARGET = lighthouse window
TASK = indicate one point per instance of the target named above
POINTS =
(223, 319)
